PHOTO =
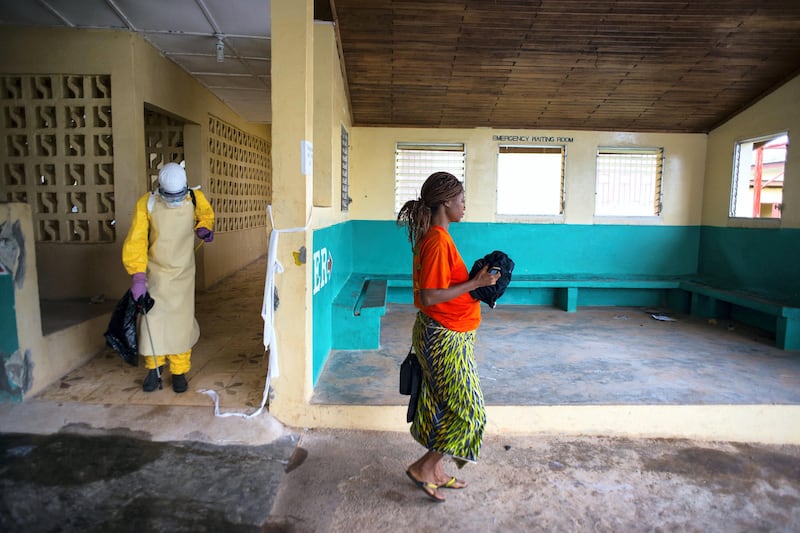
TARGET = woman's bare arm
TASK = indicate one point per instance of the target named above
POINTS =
(483, 278)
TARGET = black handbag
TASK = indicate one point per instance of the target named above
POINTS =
(410, 380)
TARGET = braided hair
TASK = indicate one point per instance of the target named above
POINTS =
(417, 214)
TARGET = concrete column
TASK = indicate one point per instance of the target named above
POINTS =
(325, 60)
(292, 181)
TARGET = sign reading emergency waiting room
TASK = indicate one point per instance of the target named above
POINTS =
(532, 138)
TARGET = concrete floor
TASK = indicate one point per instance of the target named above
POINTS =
(596, 356)
(527, 356)
(228, 359)
(84, 478)
(94, 453)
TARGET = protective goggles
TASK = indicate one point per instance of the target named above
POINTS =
(173, 197)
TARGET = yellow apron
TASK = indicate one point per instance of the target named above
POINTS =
(170, 281)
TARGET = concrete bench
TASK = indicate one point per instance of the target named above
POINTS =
(569, 291)
(357, 312)
(709, 299)
(362, 302)
(372, 296)
(565, 288)
(563, 291)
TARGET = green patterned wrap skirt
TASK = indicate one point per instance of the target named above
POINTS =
(450, 417)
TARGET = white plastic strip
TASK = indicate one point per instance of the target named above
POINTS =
(268, 315)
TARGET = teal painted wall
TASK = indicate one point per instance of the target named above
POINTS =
(762, 260)
(381, 247)
(9, 340)
(336, 242)
(583, 249)
(9, 343)
(756, 259)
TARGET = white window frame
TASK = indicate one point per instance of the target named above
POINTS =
(744, 212)
(627, 159)
(345, 176)
(414, 162)
(532, 149)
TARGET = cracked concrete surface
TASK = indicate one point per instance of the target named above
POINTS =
(125, 471)
(354, 481)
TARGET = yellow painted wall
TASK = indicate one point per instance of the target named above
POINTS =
(331, 112)
(777, 112)
(58, 353)
(139, 75)
(292, 123)
(372, 172)
(309, 102)
(161, 83)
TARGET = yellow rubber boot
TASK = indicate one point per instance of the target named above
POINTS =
(179, 365)
(150, 364)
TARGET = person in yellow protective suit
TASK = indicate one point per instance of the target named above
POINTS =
(159, 255)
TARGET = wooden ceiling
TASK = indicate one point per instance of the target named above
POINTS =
(618, 65)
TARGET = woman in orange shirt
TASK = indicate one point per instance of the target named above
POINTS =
(450, 416)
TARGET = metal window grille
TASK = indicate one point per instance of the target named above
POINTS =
(629, 181)
(415, 162)
(345, 170)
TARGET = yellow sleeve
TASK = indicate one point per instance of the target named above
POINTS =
(203, 213)
(134, 249)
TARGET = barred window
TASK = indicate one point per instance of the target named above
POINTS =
(530, 180)
(345, 170)
(415, 162)
(628, 181)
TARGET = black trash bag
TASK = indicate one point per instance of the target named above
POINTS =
(491, 293)
(121, 332)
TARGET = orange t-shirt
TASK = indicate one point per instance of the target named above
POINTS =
(438, 265)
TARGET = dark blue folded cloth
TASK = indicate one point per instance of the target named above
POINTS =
(491, 293)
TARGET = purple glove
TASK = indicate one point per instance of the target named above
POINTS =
(138, 288)
(205, 234)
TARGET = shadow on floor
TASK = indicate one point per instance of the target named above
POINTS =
(64, 482)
